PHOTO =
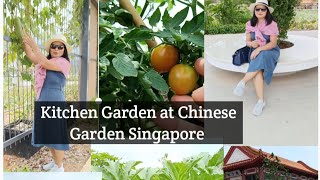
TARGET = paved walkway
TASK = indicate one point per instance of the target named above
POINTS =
(87, 166)
(291, 114)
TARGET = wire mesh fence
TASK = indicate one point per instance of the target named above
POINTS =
(42, 19)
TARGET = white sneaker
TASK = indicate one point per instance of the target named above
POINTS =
(48, 166)
(239, 89)
(258, 108)
(57, 169)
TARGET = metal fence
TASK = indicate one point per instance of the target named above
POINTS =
(43, 18)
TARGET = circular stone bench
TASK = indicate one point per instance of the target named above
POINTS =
(303, 55)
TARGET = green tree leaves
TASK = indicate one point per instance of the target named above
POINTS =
(124, 57)
(194, 25)
(122, 63)
(155, 18)
(42, 19)
(284, 14)
(178, 18)
(157, 81)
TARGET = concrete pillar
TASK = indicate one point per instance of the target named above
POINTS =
(93, 51)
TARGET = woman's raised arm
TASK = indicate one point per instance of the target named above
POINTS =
(35, 55)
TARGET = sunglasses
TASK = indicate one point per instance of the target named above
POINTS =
(261, 9)
(54, 46)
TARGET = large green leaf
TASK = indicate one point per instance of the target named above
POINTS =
(25, 61)
(155, 18)
(178, 36)
(102, 35)
(171, 170)
(196, 23)
(148, 173)
(115, 73)
(179, 18)
(138, 34)
(114, 169)
(146, 83)
(104, 61)
(103, 23)
(122, 63)
(152, 95)
(117, 32)
(26, 76)
(124, 17)
(187, 167)
(107, 44)
(163, 34)
(217, 158)
(157, 81)
(197, 39)
(166, 18)
(129, 169)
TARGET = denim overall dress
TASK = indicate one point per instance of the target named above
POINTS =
(266, 60)
(53, 90)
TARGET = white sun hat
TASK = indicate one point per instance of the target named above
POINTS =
(260, 2)
(58, 38)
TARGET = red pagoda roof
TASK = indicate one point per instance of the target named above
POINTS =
(256, 156)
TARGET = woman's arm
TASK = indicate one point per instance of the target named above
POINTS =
(250, 43)
(36, 56)
(272, 44)
(248, 40)
(29, 53)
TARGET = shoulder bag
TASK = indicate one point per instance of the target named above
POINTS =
(241, 56)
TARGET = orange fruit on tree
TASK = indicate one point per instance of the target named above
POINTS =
(164, 57)
(182, 79)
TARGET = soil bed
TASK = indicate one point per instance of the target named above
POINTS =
(24, 157)
(285, 44)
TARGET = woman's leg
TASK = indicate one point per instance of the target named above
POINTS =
(249, 75)
(258, 83)
(51, 164)
(59, 155)
(53, 153)
(239, 89)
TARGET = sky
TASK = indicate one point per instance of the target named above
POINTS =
(307, 154)
(53, 176)
(150, 154)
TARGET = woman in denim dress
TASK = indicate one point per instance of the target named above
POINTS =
(261, 36)
(50, 79)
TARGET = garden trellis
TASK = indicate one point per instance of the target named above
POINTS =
(43, 19)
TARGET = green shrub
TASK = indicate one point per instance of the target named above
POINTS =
(229, 12)
(228, 16)
(226, 29)
(305, 19)
(284, 14)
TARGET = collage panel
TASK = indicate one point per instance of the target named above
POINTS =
(161, 161)
(139, 63)
(50, 54)
(270, 162)
(150, 55)
(279, 87)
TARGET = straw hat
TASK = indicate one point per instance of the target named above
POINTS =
(60, 38)
(260, 2)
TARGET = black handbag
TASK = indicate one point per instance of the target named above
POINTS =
(241, 56)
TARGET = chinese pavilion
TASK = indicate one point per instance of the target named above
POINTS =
(245, 163)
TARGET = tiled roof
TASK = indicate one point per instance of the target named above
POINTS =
(254, 155)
